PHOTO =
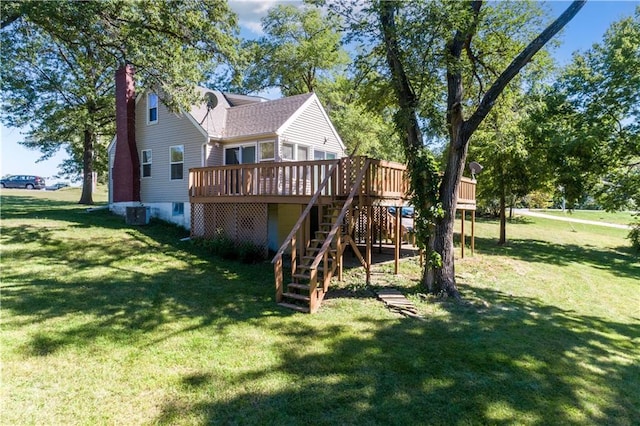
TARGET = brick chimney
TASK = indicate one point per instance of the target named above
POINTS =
(126, 164)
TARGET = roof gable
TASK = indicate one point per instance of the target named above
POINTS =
(262, 118)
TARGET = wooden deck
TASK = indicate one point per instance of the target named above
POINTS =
(349, 196)
(385, 183)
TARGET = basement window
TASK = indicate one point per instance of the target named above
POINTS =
(177, 209)
(176, 158)
(152, 106)
(146, 163)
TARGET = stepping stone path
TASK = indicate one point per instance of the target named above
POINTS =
(396, 302)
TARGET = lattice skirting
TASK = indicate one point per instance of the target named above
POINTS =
(239, 222)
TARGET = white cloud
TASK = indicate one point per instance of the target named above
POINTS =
(250, 12)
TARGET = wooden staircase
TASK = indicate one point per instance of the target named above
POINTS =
(322, 255)
(299, 292)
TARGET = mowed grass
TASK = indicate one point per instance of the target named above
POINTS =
(621, 218)
(108, 324)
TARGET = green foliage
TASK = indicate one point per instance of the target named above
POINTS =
(301, 47)
(224, 247)
(425, 180)
(59, 60)
(587, 126)
(634, 234)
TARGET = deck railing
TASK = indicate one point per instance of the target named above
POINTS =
(384, 179)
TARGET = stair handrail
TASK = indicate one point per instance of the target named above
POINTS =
(338, 223)
(306, 212)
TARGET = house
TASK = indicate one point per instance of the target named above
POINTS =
(154, 148)
(271, 173)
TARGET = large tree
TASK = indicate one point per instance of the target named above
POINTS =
(59, 60)
(448, 63)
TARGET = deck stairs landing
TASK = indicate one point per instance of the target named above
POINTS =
(299, 293)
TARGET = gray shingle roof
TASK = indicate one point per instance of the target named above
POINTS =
(263, 117)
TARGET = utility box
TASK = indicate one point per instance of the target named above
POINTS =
(138, 215)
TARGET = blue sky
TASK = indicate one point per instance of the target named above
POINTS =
(581, 33)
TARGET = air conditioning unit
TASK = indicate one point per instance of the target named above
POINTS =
(138, 215)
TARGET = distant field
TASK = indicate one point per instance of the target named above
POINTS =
(623, 218)
(109, 324)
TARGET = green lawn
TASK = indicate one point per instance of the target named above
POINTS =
(108, 324)
(621, 218)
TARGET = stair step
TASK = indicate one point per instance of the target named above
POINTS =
(294, 307)
(312, 258)
(308, 267)
(298, 286)
(301, 276)
(297, 296)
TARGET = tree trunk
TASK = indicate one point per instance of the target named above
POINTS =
(503, 213)
(442, 279)
(87, 168)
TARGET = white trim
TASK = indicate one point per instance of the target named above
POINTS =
(148, 110)
(303, 107)
(142, 164)
(176, 162)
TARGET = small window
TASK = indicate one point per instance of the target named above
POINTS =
(323, 155)
(267, 151)
(303, 153)
(146, 163)
(152, 103)
(287, 151)
(176, 157)
(178, 209)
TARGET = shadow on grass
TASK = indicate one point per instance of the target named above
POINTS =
(620, 262)
(124, 299)
(516, 362)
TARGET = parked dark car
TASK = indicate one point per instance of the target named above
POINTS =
(56, 186)
(23, 181)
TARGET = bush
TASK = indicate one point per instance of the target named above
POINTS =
(250, 253)
(224, 247)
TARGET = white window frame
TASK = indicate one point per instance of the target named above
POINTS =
(259, 153)
(240, 145)
(177, 209)
(152, 104)
(296, 147)
(324, 154)
(149, 162)
(171, 162)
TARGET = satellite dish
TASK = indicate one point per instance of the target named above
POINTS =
(211, 99)
(475, 168)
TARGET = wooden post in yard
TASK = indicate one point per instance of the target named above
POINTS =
(369, 231)
(462, 235)
(473, 231)
(397, 236)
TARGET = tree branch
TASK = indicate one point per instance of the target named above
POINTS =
(517, 64)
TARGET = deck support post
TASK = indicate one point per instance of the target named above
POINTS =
(462, 234)
(369, 232)
(473, 232)
(397, 237)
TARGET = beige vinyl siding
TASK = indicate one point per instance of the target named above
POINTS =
(171, 129)
(216, 154)
(310, 128)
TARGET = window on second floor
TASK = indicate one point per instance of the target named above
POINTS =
(152, 107)
(146, 163)
(176, 159)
